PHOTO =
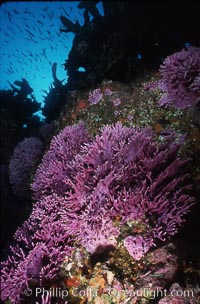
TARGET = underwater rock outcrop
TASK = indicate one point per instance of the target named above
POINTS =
(107, 201)
(122, 192)
(128, 39)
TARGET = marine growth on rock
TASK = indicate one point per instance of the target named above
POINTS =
(125, 187)
(180, 79)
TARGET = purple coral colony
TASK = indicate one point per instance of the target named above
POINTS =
(109, 192)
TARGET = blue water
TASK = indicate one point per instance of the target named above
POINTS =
(31, 42)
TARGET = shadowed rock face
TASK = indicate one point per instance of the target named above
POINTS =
(108, 46)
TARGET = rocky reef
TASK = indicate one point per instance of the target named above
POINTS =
(110, 200)
(115, 192)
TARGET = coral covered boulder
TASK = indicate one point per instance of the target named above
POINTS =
(123, 189)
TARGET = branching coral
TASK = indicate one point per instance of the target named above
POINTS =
(21, 165)
(51, 175)
(180, 78)
(95, 96)
(125, 172)
(40, 247)
(122, 188)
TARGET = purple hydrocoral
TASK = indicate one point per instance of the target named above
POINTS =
(137, 246)
(95, 96)
(108, 92)
(96, 238)
(52, 173)
(24, 157)
(180, 80)
(41, 245)
(88, 191)
(44, 228)
(125, 172)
